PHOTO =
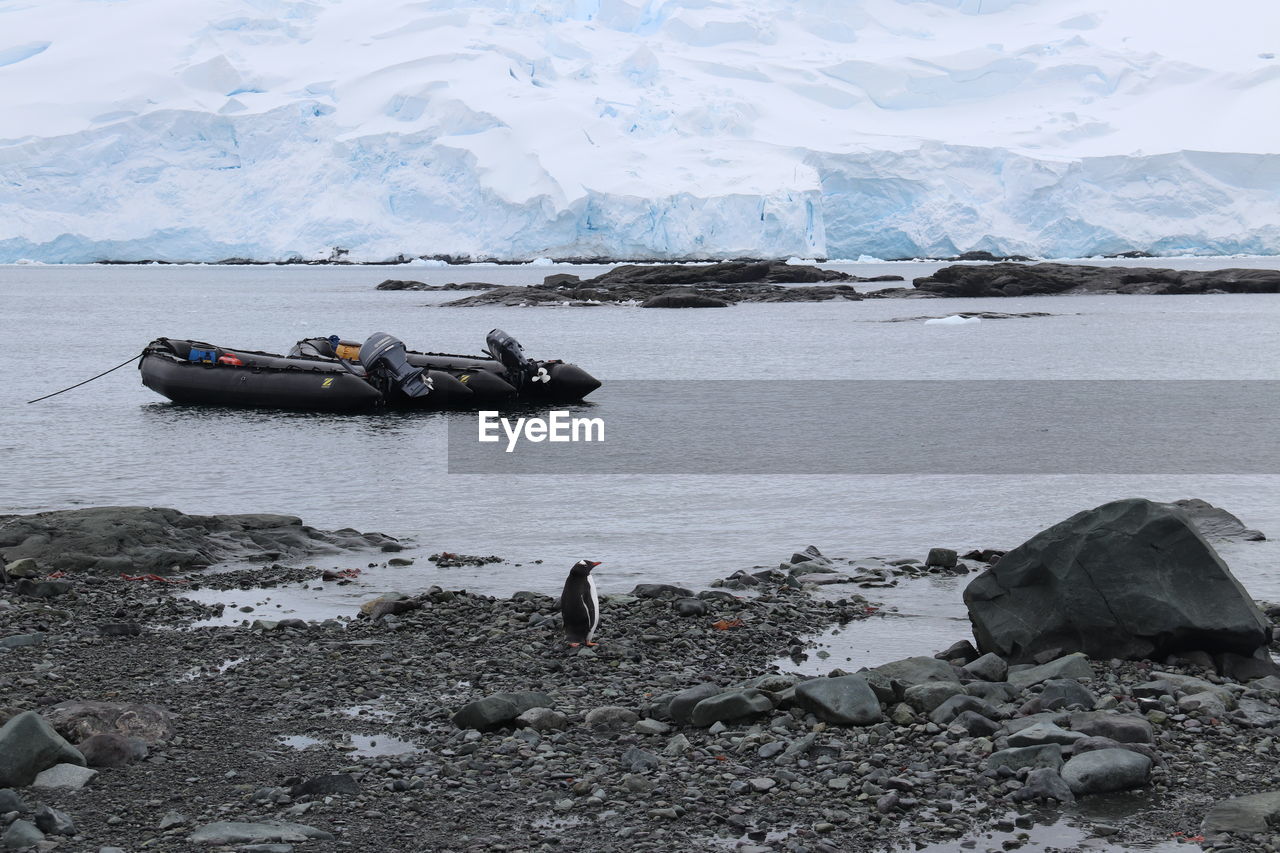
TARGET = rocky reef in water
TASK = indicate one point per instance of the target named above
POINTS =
(1011, 279)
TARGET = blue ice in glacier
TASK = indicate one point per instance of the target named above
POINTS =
(523, 129)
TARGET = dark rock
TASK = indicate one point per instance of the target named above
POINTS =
(1246, 667)
(21, 834)
(735, 704)
(690, 607)
(683, 299)
(1044, 783)
(1065, 693)
(1106, 770)
(50, 821)
(112, 749)
(908, 672)
(10, 801)
(156, 540)
(1129, 579)
(988, 667)
(944, 558)
(962, 650)
(846, 700)
(975, 724)
(81, 720)
(1005, 279)
(16, 641)
(1093, 744)
(1074, 665)
(319, 786)
(488, 713)
(954, 706)
(1125, 728)
(29, 745)
(1015, 758)
(402, 284)
(1215, 523)
(41, 589)
(638, 760)
(661, 590)
(682, 704)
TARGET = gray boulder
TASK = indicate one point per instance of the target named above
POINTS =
(682, 704)
(900, 675)
(488, 713)
(21, 834)
(29, 745)
(1044, 783)
(956, 705)
(1216, 523)
(1069, 666)
(1106, 770)
(1126, 728)
(611, 717)
(73, 776)
(543, 720)
(735, 704)
(943, 558)
(928, 697)
(1043, 733)
(1255, 814)
(989, 667)
(1015, 758)
(1064, 693)
(50, 821)
(973, 724)
(846, 700)
(1128, 579)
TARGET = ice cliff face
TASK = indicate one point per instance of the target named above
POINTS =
(636, 128)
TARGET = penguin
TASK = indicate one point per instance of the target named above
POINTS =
(579, 604)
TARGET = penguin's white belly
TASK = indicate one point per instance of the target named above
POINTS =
(593, 608)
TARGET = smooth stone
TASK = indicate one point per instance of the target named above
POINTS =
(845, 700)
(487, 713)
(543, 720)
(943, 558)
(71, 776)
(960, 703)
(611, 717)
(1068, 666)
(929, 697)
(16, 641)
(1255, 814)
(1064, 693)
(731, 705)
(20, 834)
(1106, 770)
(1045, 783)
(682, 704)
(28, 745)
(1046, 755)
(50, 821)
(989, 667)
(112, 750)
(1125, 728)
(1043, 733)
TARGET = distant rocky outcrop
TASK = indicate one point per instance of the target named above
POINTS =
(1010, 279)
(1129, 579)
(684, 286)
(403, 284)
(156, 540)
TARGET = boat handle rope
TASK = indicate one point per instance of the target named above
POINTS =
(87, 381)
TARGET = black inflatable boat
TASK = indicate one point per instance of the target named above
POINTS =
(505, 374)
(197, 373)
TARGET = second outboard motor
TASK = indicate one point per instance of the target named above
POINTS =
(506, 351)
(385, 356)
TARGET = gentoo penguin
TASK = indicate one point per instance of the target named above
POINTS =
(579, 604)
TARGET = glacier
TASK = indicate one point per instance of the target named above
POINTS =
(660, 129)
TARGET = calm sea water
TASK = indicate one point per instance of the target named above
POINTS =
(115, 442)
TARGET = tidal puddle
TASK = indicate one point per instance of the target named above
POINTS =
(376, 745)
(300, 741)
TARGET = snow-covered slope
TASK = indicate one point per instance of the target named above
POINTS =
(267, 129)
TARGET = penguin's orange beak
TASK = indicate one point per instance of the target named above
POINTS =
(593, 563)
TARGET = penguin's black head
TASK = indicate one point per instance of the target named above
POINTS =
(583, 568)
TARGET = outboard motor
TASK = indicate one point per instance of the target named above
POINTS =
(384, 356)
(506, 351)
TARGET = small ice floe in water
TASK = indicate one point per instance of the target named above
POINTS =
(541, 262)
(953, 320)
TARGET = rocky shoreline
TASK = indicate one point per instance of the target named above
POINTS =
(452, 721)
